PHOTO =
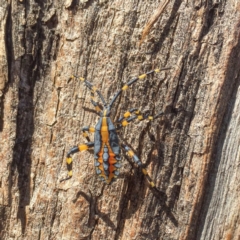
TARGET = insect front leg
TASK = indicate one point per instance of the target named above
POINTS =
(73, 150)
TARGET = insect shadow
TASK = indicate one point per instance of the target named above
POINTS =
(130, 204)
(94, 212)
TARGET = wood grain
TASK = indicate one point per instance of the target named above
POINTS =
(191, 152)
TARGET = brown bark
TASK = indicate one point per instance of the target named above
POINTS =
(192, 151)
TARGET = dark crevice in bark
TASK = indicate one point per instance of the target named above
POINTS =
(4, 214)
(211, 17)
(31, 63)
(167, 28)
(54, 215)
(172, 38)
(90, 24)
(74, 5)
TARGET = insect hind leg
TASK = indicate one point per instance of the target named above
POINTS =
(72, 151)
(139, 164)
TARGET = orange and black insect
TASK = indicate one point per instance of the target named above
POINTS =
(106, 144)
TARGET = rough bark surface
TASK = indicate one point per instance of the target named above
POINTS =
(192, 152)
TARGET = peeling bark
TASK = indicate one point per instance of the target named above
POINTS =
(192, 151)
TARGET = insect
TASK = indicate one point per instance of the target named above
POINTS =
(106, 144)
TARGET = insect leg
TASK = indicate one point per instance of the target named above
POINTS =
(127, 118)
(125, 87)
(87, 129)
(127, 114)
(139, 163)
(73, 150)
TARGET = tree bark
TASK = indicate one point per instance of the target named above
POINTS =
(192, 152)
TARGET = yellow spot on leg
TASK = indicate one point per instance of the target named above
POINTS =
(137, 112)
(127, 114)
(140, 117)
(142, 76)
(157, 70)
(130, 153)
(69, 160)
(85, 134)
(82, 147)
(124, 123)
(91, 129)
(125, 87)
(152, 184)
(144, 171)
(70, 173)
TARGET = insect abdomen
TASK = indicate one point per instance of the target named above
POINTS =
(106, 149)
